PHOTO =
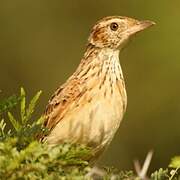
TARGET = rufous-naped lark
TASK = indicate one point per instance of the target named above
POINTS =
(89, 106)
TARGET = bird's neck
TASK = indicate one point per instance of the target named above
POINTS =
(100, 62)
(91, 49)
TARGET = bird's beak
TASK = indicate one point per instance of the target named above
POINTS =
(140, 26)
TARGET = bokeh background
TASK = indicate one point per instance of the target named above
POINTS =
(42, 42)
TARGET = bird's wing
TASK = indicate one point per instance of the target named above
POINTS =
(63, 99)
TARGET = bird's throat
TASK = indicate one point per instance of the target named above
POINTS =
(100, 62)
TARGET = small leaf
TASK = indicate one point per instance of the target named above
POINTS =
(9, 103)
(23, 105)
(14, 122)
(2, 127)
(32, 105)
(160, 174)
(175, 162)
(40, 120)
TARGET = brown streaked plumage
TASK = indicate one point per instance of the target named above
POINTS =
(90, 105)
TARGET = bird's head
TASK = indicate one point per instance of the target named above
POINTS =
(114, 31)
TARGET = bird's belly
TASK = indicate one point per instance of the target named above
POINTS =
(93, 124)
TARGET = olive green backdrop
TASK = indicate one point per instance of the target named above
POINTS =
(42, 42)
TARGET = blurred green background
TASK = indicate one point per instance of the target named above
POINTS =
(42, 42)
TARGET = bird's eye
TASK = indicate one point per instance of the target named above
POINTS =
(114, 26)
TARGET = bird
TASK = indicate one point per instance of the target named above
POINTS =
(89, 107)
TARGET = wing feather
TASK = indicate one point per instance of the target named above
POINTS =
(62, 100)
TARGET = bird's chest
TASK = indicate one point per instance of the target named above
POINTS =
(104, 102)
(106, 111)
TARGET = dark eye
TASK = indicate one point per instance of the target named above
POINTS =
(114, 26)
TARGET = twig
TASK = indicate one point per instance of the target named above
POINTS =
(173, 173)
(142, 172)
